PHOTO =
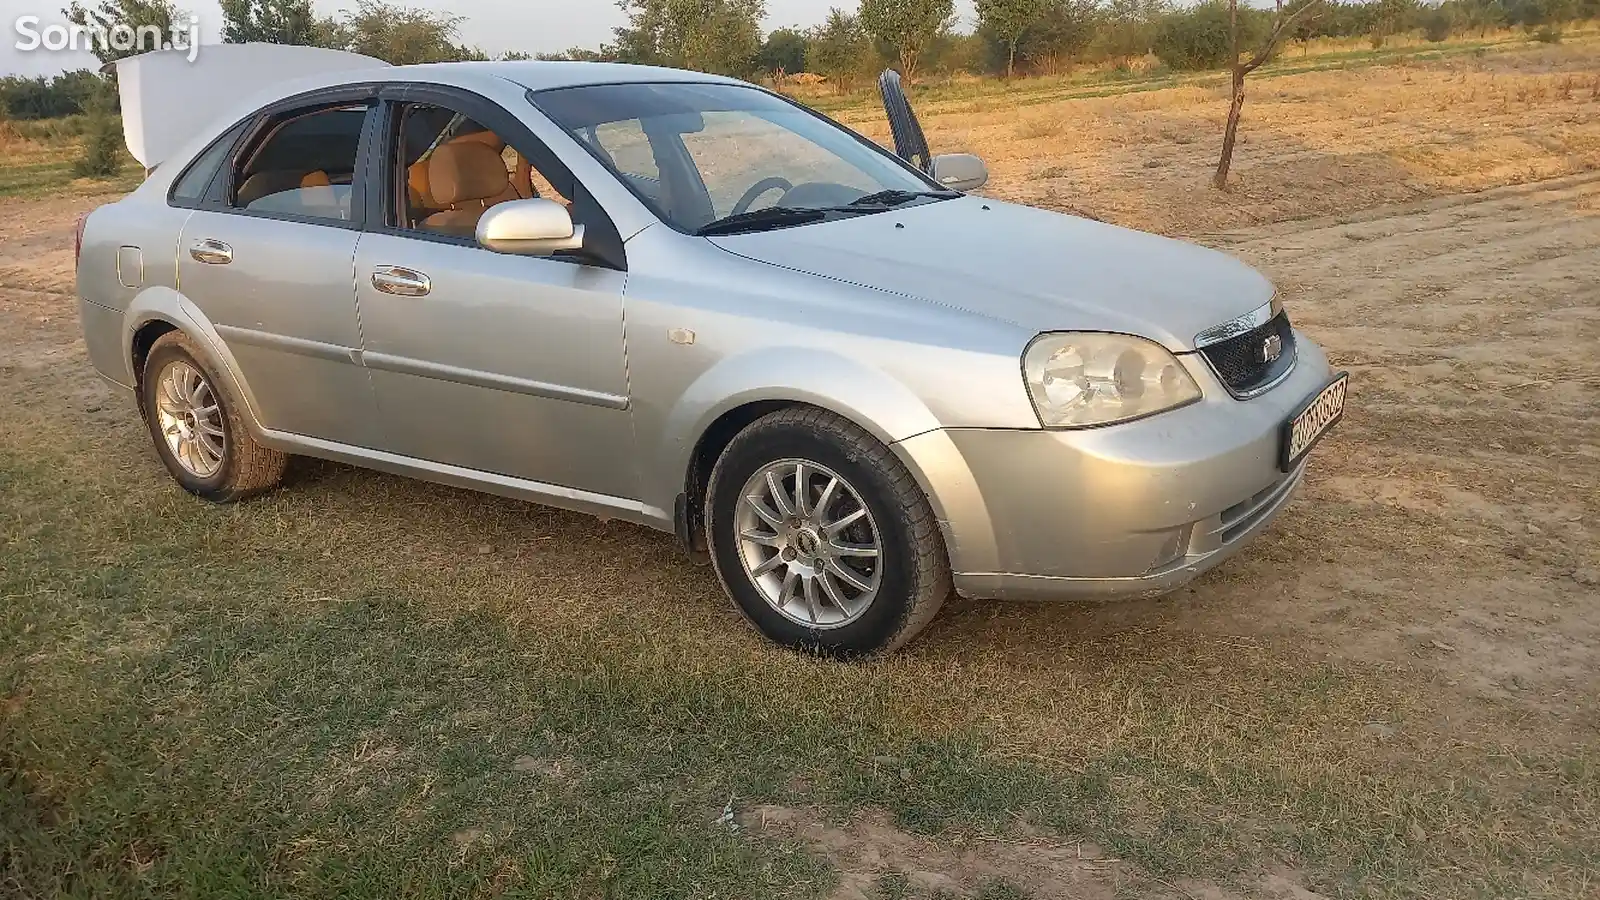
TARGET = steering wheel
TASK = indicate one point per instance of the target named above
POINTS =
(756, 190)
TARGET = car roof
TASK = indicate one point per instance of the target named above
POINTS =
(543, 75)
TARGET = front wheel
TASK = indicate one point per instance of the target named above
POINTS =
(822, 537)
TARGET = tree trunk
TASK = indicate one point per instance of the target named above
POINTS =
(1011, 61)
(908, 64)
(1234, 106)
(1232, 131)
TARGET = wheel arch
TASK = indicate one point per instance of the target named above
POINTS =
(729, 397)
(159, 311)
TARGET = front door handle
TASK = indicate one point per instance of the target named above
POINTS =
(400, 281)
(212, 252)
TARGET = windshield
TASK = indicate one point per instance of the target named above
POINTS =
(701, 154)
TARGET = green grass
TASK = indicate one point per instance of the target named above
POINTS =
(294, 698)
(54, 176)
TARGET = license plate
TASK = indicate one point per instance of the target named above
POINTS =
(1314, 420)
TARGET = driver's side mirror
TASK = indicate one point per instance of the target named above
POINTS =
(534, 227)
(960, 171)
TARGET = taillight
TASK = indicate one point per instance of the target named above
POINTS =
(77, 237)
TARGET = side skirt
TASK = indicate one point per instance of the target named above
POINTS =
(603, 506)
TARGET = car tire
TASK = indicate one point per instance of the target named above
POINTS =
(801, 450)
(197, 428)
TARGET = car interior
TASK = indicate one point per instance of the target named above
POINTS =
(305, 165)
(455, 170)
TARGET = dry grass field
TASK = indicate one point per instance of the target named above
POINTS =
(364, 686)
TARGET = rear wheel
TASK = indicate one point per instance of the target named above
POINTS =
(822, 537)
(197, 429)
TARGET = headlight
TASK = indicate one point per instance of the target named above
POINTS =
(1078, 379)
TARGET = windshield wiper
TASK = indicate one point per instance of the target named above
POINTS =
(894, 197)
(763, 220)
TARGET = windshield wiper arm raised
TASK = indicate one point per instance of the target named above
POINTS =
(762, 220)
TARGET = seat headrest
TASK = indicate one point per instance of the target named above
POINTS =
(466, 171)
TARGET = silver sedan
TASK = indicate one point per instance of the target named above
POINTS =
(691, 303)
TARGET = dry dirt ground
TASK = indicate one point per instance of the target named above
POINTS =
(1444, 558)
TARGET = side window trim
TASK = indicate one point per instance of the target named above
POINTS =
(382, 173)
(232, 135)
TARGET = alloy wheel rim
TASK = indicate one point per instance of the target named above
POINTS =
(190, 418)
(808, 543)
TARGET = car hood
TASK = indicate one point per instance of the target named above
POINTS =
(1040, 270)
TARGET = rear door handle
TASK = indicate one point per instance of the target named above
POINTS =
(212, 252)
(400, 281)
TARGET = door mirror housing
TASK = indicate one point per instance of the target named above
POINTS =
(960, 171)
(534, 227)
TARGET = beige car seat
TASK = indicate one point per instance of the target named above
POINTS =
(468, 177)
(519, 186)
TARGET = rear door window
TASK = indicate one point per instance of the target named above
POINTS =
(304, 166)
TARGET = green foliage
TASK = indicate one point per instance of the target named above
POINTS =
(1064, 32)
(1542, 17)
(840, 50)
(1393, 16)
(955, 52)
(1006, 22)
(136, 14)
(398, 34)
(1127, 28)
(606, 53)
(721, 36)
(276, 22)
(1198, 37)
(66, 94)
(784, 50)
(1438, 23)
(102, 140)
(907, 29)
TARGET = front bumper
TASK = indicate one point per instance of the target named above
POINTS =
(1137, 509)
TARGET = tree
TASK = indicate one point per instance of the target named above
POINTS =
(838, 49)
(1127, 28)
(140, 15)
(1008, 22)
(1283, 19)
(907, 27)
(784, 51)
(400, 35)
(102, 138)
(606, 53)
(1391, 17)
(720, 36)
(1202, 36)
(1065, 30)
(48, 98)
(276, 22)
(1438, 22)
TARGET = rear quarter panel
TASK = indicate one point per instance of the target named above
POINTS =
(128, 258)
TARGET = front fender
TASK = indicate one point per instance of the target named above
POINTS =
(867, 396)
(164, 304)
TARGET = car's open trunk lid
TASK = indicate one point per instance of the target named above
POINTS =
(166, 99)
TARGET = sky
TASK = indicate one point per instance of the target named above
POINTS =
(533, 26)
